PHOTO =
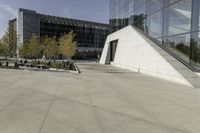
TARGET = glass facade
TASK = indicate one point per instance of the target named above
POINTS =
(13, 37)
(174, 23)
(90, 36)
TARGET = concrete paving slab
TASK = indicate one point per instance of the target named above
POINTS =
(102, 99)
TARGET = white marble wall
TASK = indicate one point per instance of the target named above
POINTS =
(135, 53)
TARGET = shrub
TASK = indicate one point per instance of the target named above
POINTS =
(34, 64)
(57, 65)
(16, 65)
(44, 63)
(49, 63)
(71, 66)
(25, 61)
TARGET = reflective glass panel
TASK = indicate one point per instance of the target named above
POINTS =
(154, 5)
(179, 45)
(138, 3)
(178, 18)
(139, 17)
(155, 25)
(195, 50)
(130, 6)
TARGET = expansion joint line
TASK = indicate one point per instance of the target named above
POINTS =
(50, 105)
(20, 95)
(92, 105)
(13, 82)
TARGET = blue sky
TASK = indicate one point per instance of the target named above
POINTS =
(92, 10)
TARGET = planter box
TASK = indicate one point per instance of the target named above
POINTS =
(42, 67)
(29, 65)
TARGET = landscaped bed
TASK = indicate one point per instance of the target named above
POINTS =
(57, 66)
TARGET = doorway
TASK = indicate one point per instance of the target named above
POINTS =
(113, 48)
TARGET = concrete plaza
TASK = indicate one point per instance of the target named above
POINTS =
(101, 99)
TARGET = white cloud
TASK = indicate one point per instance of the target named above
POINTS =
(6, 13)
(8, 9)
(66, 11)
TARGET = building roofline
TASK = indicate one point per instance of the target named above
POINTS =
(78, 20)
(86, 21)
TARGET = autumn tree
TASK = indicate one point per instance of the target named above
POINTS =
(1, 48)
(4, 45)
(68, 45)
(12, 39)
(34, 47)
(24, 50)
(50, 46)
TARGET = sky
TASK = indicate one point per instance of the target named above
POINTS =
(91, 10)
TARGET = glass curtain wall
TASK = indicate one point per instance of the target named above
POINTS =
(175, 23)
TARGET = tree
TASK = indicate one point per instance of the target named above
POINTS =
(12, 38)
(1, 48)
(4, 45)
(34, 47)
(50, 46)
(68, 45)
(24, 50)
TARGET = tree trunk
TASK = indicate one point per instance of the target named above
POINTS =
(6, 59)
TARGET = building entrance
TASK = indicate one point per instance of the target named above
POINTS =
(113, 48)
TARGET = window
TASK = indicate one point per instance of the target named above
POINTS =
(177, 18)
(155, 25)
(154, 5)
(179, 45)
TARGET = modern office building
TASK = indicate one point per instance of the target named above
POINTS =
(155, 37)
(13, 37)
(90, 36)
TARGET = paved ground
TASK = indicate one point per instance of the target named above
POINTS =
(100, 100)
